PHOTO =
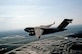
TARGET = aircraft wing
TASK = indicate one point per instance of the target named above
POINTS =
(38, 32)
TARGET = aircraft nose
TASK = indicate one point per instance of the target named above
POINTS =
(26, 29)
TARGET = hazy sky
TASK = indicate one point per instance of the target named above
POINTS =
(18, 14)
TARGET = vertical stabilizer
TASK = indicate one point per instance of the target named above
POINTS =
(64, 23)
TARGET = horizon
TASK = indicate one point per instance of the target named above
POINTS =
(69, 26)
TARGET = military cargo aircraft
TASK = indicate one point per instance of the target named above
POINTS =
(46, 29)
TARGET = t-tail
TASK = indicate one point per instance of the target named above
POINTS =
(64, 24)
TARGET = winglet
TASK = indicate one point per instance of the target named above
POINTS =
(53, 22)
